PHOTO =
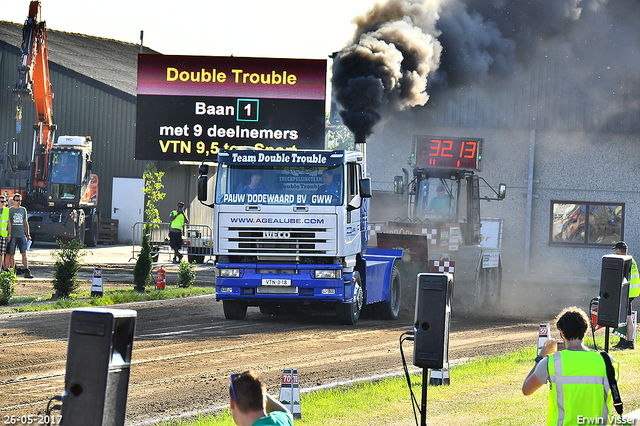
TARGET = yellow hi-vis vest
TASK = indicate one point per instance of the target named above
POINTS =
(634, 282)
(579, 388)
(178, 220)
(4, 222)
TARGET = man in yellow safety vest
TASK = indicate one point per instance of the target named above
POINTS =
(634, 289)
(178, 218)
(580, 390)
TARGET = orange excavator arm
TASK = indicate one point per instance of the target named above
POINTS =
(34, 85)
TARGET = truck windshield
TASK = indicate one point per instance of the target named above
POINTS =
(280, 185)
(64, 175)
(64, 167)
(436, 199)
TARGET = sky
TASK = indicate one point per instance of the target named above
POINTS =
(252, 28)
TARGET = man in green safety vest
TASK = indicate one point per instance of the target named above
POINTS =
(580, 390)
(178, 218)
(4, 224)
(634, 289)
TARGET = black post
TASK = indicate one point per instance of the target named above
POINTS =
(423, 405)
(606, 339)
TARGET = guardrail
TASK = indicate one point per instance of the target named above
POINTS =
(196, 239)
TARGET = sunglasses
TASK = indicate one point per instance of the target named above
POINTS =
(233, 376)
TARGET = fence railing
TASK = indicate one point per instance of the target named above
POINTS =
(197, 241)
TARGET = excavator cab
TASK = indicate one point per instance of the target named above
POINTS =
(66, 167)
(70, 176)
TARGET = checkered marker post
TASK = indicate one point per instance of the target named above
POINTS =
(96, 284)
(290, 392)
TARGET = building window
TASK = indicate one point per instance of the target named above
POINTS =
(586, 223)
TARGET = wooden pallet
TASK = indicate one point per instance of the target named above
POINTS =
(108, 232)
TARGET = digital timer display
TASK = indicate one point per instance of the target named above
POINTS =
(447, 152)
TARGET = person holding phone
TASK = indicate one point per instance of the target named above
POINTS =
(580, 389)
(178, 219)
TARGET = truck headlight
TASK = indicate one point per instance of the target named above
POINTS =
(228, 273)
(328, 273)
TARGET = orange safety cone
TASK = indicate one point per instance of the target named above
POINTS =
(162, 278)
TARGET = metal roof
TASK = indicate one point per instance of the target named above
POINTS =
(110, 63)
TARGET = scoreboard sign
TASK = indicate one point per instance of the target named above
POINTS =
(448, 153)
(189, 107)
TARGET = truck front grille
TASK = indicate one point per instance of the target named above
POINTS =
(285, 241)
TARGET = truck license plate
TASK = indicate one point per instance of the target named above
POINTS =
(276, 281)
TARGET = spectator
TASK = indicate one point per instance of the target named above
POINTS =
(634, 290)
(18, 234)
(578, 376)
(251, 405)
(4, 231)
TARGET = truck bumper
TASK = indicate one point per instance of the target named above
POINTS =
(284, 283)
(58, 224)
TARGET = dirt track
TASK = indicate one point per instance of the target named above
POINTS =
(184, 351)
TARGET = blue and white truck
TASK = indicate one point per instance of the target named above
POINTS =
(290, 231)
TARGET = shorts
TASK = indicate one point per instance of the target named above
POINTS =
(175, 239)
(3, 245)
(20, 242)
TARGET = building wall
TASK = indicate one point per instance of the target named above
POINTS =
(568, 165)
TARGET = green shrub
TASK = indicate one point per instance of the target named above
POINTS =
(8, 282)
(144, 264)
(68, 261)
(186, 274)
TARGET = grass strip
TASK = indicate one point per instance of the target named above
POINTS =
(110, 297)
(483, 391)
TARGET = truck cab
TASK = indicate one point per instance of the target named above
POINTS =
(290, 229)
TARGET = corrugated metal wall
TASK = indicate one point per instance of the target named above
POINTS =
(79, 108)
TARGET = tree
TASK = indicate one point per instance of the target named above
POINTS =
(144, 264)
(68, 261)
(339, 136)
(153, 191)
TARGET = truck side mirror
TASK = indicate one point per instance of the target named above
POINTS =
(502, 191)
(398, 185)
(89, 163)
(365, 187)
(202, 187)
(203, 169)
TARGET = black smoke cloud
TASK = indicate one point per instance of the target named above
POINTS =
(388, 63)
(405, 51)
